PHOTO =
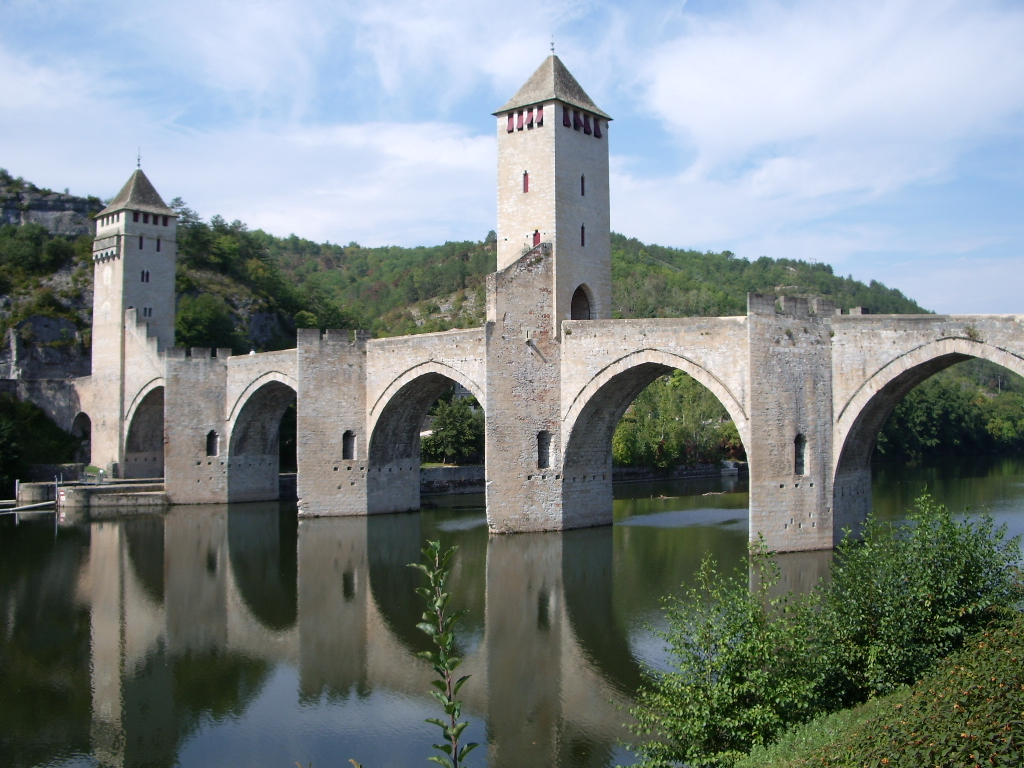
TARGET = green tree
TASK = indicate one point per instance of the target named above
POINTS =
(458, 431)
(206, 321)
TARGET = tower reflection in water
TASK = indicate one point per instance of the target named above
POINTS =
(241, 632)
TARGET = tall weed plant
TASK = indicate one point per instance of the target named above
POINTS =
(744, 666)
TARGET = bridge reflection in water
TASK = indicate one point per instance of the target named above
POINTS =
(194, 619)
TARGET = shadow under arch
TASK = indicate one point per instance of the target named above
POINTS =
(145, 536)
(144, 443)
(263, 551)
(591, 420)
(862, 417)
(254, 455)
(393, 476)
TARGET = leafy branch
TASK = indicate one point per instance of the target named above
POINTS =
(439, 624)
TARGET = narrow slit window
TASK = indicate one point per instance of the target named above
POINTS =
(543, 449)
(586, 124)
(143, 275)
(583, 235)
(158, 245)
(529, 118)
(566, 117)
(799, 454)
(526, 181)
(583, 186)
(141, 241)
(597, 128)
(212, 443)
(348, 445)
(519, 121)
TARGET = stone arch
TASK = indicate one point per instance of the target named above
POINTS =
(253, 457)
(144, 440)
(254, 386)
(634, 372)
(393, 471)
(413, 373)
(81, 428)
(582, 303)
(594, 413)
(862, 416)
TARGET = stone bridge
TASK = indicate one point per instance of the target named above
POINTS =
(808, 388)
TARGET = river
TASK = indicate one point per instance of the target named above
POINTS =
(241, 636)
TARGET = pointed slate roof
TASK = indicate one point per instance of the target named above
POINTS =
(552, 81)
(138, 195)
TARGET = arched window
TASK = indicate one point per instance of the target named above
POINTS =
(526, 181)
(583, 235)
(583, 186)
(543, 449)
(348, 445)
(579, 307)
(799, 454)
(212, 443)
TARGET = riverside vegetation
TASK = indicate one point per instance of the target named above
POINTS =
(746, 667)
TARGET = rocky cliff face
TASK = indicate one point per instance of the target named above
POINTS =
(61, 214)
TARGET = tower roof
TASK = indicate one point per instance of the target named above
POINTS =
(552, 81)
(138, 194)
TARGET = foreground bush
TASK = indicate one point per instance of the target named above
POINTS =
(745, 668)
(970, 711)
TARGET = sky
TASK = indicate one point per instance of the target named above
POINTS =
(883, 137)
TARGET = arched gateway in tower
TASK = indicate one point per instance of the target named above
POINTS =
(806, 387)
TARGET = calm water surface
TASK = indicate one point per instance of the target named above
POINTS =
(239, 636)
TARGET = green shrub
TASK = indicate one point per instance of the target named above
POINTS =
(745, 667)
(739, 673)
(206, 321)
(968, 712)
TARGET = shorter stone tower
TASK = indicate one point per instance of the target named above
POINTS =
(133, 280)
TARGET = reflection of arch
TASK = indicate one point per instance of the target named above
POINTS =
(144, 443)
(81, 428)
(579, 307)
(145, 537)
(262, 548)
(394, 541)
(861, 417)
(588, 581)
(600, 404)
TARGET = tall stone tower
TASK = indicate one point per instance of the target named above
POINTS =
(134, 263)
(553, 188)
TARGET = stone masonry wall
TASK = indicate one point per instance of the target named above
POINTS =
(790, 395)
(522, 400)
(331, 401)
(194, 405)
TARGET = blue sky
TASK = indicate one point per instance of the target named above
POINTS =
(884, 137)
